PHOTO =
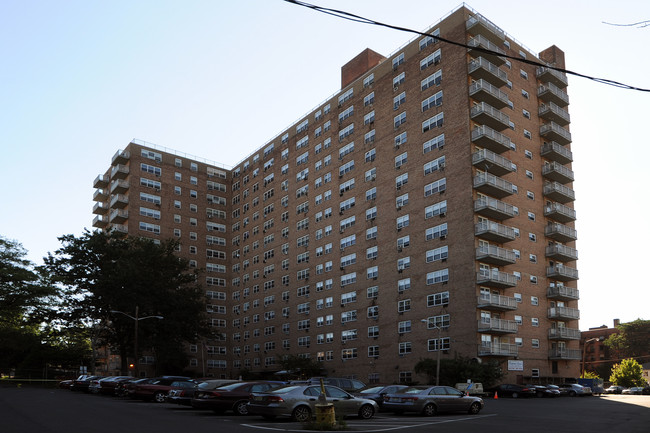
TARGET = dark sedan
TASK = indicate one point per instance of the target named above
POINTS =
(544, 391)
(428, 401)
(232, 397)
(512, 390)
(157, 389)
(377, 392)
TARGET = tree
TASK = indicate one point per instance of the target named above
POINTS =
(460, 369)
(628, 373)
(301, 368)
(103, 273)
(632, 340)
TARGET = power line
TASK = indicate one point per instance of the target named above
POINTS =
(359, 19)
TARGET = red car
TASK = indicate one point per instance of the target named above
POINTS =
(157, 389)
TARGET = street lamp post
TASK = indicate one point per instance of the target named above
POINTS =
(439, 349)
(584, 352)
(136, 319)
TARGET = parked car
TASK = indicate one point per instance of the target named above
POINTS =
(82, 383)
(184, 396)
(615, 389)
(646, 390)
(349, 385)
(157, 389)
(377, 392)
(558, 390)
(430, 400)
(230, 397)
(299, 402)
(635, 390)
(574, 389)
(107, 385)
(544, 391)
(474, 388)
(512, 390)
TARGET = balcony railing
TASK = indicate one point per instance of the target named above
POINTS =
(560, 232)
(100, 208)
(100, 181)
(558, 192)
(560, 212)
(100, 195)
(558, 173)
(119, 186)
(553, 131)
(562, 292)
(486, 114)
(119, 201)
(493, 185)
(495, 255)
(551, 93)
(481, 68)
(121, 157)
(493, 231)
(500, 326)
(481, 90)
(549, 75)
(497, 349)
(119, 171)
(119, 216)
(562, 273)
(554, 113)
(494, 278)
(480, 41)
(493, 163)
(564, 334)
(563, 313)
(556, 152)
(479, 25)
(119, 228)
(100, 221)
(493, 208)
(564, 354)
(487, 137)
(497, 302)
(561, 252)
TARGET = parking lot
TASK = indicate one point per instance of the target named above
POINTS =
(57, 411)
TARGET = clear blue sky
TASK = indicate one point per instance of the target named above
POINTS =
(216, 79)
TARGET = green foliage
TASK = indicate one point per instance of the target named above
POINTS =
(590, 375)
(459, 369)
(628, 373)
(632, 340)
(301, 368)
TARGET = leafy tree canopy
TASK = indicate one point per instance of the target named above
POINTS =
(301, 368)
(632, 340)
(460, 369)
(628, 373)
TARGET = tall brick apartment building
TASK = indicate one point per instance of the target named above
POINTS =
(425, 207)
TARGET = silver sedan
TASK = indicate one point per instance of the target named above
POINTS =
(299, 402)
(430, 400)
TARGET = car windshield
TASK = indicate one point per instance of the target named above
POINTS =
(285, 389)
(231, 386)
(412, 390)
(372, 390)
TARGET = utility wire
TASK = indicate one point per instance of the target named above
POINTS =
(640, 24)
(359, 19)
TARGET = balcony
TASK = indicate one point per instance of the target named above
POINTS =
(554, 113)
(554, 132)
(480, 41)
(558, 173)
(556, 152)
(497, 349)
(494, 231)
(560, 212)
(119, 171)
(491, 162)
(482, 69)
(558, 192)
(490, 139)
(483, 91)
(548, 75)
(121, 157)
(119, 187)
(479, 25)
(120, 228)
(119, 201)
(497, 303)
(562, 293)
(485, 114)
(100, 181)
(100, 208)
(100, 195)
(563, 334)
(561, 252)
(551, 93)
(493, 208)
(497, 326)
(119, 216)
(495, 255)
(100, 221)
(564, 354)
(562, 273)
(560, 232)
(494, 278)
(563, 313)
(493, 185)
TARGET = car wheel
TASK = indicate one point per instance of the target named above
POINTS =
(301, 414)
(429, 410)
(241, 407)
(159, 397)
(572, 393)
(366, 411)
(474, 408)
(515, 395)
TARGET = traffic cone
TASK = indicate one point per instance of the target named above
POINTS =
(496, 395)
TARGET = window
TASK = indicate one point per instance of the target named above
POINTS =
(431, 59)
(534, 321)
(398, 60)
(433, 101)
(434, 122)
(399, 80)
(527, 134)
(435, 143)
(399, 100)
(535, 343)
(399, 119)
(369, 80)
(404, 305)
(432, 80)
